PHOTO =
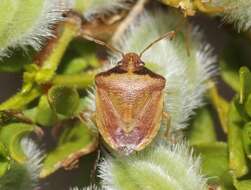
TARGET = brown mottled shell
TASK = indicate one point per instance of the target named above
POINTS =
(129, 104)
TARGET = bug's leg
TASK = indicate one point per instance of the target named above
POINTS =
(71, 163)
(212, 187)
(94, 169)
(57, 128)
(166, 120)
(207, 8)
(39, 132)
(93, 118)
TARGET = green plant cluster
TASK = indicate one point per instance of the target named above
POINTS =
(52, 99)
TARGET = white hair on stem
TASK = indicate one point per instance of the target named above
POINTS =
(41, 29)
(164, 166)
(34, 159)
(237, 12)
(24, 176)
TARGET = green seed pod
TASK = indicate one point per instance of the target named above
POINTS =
(245, 79)
(64, 100)
(11, 136)
(45, 115)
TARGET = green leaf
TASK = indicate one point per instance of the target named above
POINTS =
(64, 100)
(16, 62)
(18, 177)
(247, 104)
(221, 106)
(4, 159)
(237, 158)
(45, 116)
(235, 55)
(11, 136)
(202, 128)
(246, 135)
(75, 141)
(229, 73)
(76, 65)
(214, 158)
(245, 81)
(30, 113)
(242, 184)
(79, 56)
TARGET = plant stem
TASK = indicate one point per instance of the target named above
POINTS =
(81, 80)
(136, 10)
(237, 159)
(221, 106)
(48, 59)
(57, 48)
(19, 100)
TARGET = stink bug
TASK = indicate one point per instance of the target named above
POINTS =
(129, 102)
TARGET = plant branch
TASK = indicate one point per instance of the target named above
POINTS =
(136, 10)
(19, 100)
(49, 61)
(82, 80)
(221, 106)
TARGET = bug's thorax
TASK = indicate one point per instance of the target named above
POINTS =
(131, 62)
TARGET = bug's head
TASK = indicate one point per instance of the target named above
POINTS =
(131, 62)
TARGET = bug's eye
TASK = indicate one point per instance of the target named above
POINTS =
(119, 63)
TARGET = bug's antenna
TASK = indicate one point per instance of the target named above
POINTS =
(169, 35)
(92, 39)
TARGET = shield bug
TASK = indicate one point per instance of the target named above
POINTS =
(129, 101)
